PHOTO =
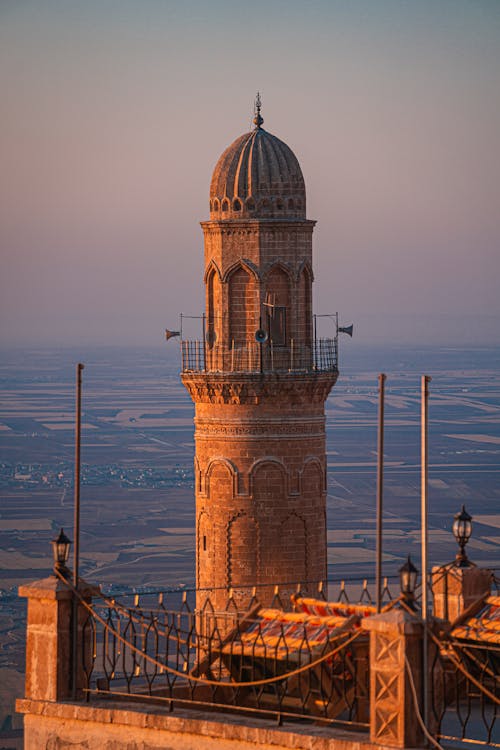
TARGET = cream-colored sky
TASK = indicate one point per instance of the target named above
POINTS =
(115, 112)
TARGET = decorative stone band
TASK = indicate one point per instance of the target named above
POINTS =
(253, 428)
(276, 388)
(262, 227)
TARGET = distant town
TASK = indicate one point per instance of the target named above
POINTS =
(138, 514)
(28, 476)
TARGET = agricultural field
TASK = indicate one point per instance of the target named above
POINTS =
(137, 495)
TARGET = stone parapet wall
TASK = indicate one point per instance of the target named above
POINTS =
(112, 726)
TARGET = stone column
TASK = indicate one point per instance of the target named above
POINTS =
(395, 641)
(454, 589)
(49, 639)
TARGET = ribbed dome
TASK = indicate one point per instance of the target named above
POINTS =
(257, 176)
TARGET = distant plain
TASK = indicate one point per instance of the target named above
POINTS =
(137, 493)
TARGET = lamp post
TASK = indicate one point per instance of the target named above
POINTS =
(462, 530)
(60, 551)
(380, 487)
(408, 575)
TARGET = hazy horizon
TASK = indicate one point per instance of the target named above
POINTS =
(115, 114)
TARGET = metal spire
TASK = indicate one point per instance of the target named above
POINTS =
(258, 120)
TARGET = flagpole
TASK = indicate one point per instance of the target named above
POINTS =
(76, 526)
(424, 523)
(380, 486)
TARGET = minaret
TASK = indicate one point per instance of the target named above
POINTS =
(259, 381)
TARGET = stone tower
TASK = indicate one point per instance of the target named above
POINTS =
(259, 380)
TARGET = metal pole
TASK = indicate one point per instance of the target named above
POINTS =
(337, 336)
(315, 341)
(78, 429)
(380, 486)
(204, 332)
(424, 522)
(76, 525)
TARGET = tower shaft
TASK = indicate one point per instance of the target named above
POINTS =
(259, 381)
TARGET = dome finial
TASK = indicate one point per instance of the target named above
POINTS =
(258, 120)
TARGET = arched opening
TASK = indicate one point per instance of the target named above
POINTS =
(236, 204)
(278, 306)
(293, 538)
(313, 499)
(225, 205)
(268, 482)
(243, 307)
(242, 545)
(220, 483)
(305, 307)
(210, 332)
(269, 490)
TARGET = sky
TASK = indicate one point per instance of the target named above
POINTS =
(114, 114)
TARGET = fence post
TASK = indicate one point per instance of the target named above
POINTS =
(455, 588)
(48, 639)
(396, 639)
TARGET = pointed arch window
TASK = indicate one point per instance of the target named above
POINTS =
(277, 305)
(276, 325)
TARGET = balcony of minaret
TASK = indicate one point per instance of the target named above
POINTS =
(255, 357)
(258, 324)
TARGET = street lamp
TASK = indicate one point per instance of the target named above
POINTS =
(462, 529)
(60, 550)
(408, 581)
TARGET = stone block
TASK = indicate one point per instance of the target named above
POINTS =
(455, 589)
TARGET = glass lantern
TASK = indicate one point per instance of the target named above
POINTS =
(462, 530)
(60, 551)
(408, 575)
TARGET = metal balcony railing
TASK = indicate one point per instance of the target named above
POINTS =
(287, 661)
(252, 357)
(265, 661)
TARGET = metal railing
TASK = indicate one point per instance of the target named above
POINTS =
(354, 591)
(221, 661)
(465, 692)
(251, 357)
(300, 668)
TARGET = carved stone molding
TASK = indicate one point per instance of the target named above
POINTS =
(264, 429)
(288, 388)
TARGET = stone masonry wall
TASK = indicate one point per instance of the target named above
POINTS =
(260, 461)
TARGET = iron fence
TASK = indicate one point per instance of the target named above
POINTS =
(288, 666)
(252, 357)
(352, 591)
(289, 660)
(465, 693)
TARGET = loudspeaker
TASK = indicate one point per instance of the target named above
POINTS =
(170, 334)
(347, 329)
(261, 336)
